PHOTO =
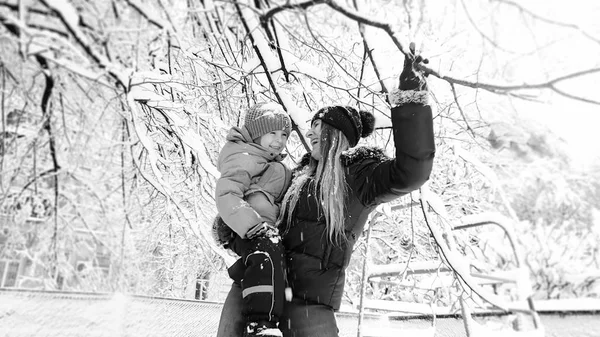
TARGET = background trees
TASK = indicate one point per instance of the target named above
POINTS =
(113, 113)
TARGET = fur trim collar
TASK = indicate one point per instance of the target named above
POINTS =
(351, 156)
(360, 153)
(399, 97)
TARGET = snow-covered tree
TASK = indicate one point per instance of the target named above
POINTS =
(113, 113)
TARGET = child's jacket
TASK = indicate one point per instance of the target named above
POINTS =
(252, 183)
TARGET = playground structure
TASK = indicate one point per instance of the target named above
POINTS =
(472, 277)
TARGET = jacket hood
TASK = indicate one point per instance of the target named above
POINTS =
(237, 134)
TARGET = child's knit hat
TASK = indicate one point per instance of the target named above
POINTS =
(263, 118)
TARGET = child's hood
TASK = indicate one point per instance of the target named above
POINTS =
(237, 134)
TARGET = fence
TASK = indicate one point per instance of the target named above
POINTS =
(25, 313)
(44, 313)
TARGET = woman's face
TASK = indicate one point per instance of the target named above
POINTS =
(314, 135)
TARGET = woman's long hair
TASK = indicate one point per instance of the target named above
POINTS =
(329, 183)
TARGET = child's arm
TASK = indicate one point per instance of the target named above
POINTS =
(236, 176)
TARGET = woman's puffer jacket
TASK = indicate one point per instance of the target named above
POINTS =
(316, 267)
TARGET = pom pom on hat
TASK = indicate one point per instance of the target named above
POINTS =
(353, 123)
(368, 123)
(263, 118)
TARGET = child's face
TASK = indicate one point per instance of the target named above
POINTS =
(274, 141)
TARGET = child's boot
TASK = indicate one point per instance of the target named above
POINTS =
(262, 328)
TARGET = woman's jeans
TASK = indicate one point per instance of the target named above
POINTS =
(299, 319)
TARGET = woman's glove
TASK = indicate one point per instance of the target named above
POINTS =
(412, 78)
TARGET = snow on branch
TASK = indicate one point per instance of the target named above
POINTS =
(47, 44)
(142, 91)
(153, 19)
(156, 179)
(158, 182)
(70, 18)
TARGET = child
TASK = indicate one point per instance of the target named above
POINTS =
(253, 181)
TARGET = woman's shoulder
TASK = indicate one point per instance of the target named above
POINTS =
(361, 153)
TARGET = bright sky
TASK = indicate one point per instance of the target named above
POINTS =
(577, 122)
(530, 51)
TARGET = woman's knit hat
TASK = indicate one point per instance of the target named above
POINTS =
(263, 118)
(353, 123)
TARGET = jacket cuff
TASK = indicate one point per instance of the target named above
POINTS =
(399, 97)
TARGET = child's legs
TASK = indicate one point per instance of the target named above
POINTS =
(263, 285)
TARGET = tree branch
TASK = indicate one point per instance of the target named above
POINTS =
(494, 88)
(47, 117)
(460, 109)
(337, 87)
(369, 52)
(156, 21)
(483, 35)
(386, 27)
(70, 19)
(302, 5)
(505, 89)
(3, 143)
(549, 21)
(499, 89)
(331, 56)
(265, 66)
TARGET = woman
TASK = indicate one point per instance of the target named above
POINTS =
(332, 193)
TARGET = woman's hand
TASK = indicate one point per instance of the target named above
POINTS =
(412, 78)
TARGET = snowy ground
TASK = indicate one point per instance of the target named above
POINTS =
(31, 313)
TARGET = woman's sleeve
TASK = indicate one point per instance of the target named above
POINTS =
(412, 127)
(229, 194)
